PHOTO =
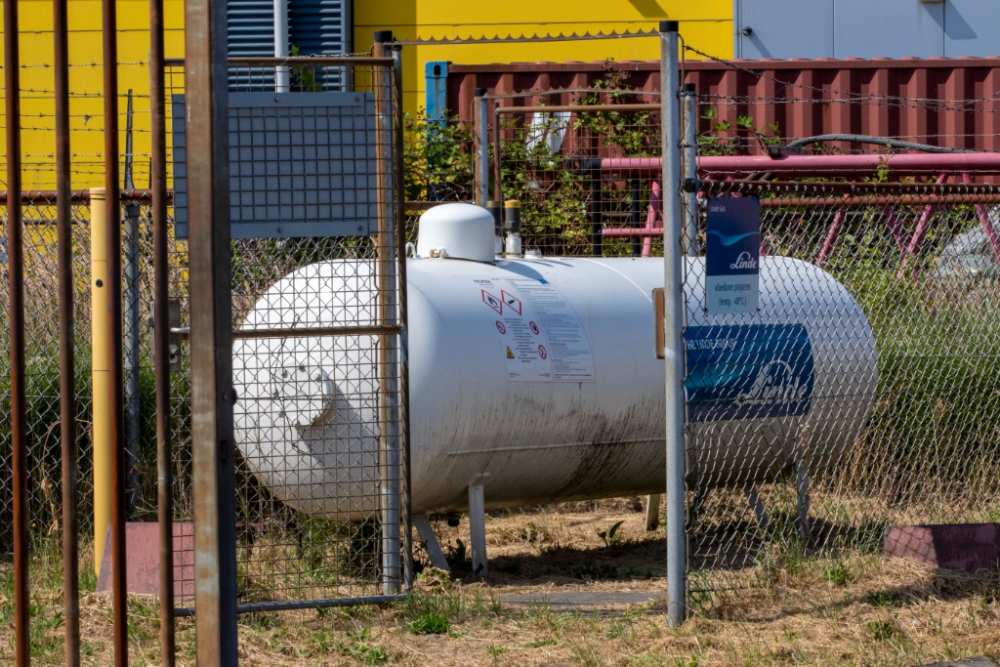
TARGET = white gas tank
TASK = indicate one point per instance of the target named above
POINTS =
(543, 374)
(538, 377)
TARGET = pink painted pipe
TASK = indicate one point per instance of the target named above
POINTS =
(818, 164)
(921, 231)
(831, 236)
(984, 221)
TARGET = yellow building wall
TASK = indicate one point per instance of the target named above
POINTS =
(706, 25)
(87, 87)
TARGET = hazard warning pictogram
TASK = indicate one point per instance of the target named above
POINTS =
(501, 328)
(492, 302)
(534, 328)
(542, 352)
(510, 354)
(511, 302)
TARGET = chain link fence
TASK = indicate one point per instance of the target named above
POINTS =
(861, 395)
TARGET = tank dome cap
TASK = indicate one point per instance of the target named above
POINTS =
(456, 231)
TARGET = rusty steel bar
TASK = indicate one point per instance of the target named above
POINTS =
(308, 61)
(119, 590)
(161, 333)
(67, 375)
(15, 268)
(306, 332)
(816, 189)
(79, 196)
(404, 354)
(579, 108)
(212, 397)
(497, 183)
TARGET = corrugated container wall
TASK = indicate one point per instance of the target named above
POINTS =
(945, 102)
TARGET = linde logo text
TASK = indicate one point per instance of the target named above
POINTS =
(744, 261)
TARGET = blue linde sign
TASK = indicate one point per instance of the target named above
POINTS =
(748, 372)
(732, 255)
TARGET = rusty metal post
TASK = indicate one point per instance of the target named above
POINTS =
(161, 333)
(119, 592)
(482, 123)
(212, 397)
(386, 277)
(15, 268)
(497, 173)
(404, 353)
(67, 374)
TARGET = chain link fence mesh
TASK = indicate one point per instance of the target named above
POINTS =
(903, 430)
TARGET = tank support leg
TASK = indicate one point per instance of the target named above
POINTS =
(652, 511)
(430, 542)
(757, 505)
(802, 492)
(477, 528)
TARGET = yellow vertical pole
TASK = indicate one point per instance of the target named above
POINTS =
(100, 350)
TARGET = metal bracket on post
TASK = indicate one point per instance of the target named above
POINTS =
(673, 286)
(652, 511)
(430, 542)
(477, 525)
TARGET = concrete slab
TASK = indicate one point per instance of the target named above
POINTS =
(574, 599)
(970, 547)
(142, 560)
(973, 662)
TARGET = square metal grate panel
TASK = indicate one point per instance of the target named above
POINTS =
(300, 165)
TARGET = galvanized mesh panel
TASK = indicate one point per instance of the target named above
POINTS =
(901, 350)
(318, 422)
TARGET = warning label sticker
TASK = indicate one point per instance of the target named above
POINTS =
(540, 334)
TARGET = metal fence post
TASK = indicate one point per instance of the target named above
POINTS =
(131, 327)
(406, 487)
(212, 397)
(67, 363)
(116, 400)
(161, 334)
(673, 286)
(483, 146)
(15, 268)
(386, 277)
(690, 168)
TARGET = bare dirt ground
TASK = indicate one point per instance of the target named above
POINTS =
(866, 612)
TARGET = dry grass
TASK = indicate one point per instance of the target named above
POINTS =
(856, 610)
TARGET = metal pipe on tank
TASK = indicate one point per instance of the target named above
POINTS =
(281, 73)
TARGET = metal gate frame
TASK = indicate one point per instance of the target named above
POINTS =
(211, 333)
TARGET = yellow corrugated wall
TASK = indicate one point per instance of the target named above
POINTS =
(706, 24)
(86, 85)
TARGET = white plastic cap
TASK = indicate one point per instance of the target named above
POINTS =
(456, 231)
